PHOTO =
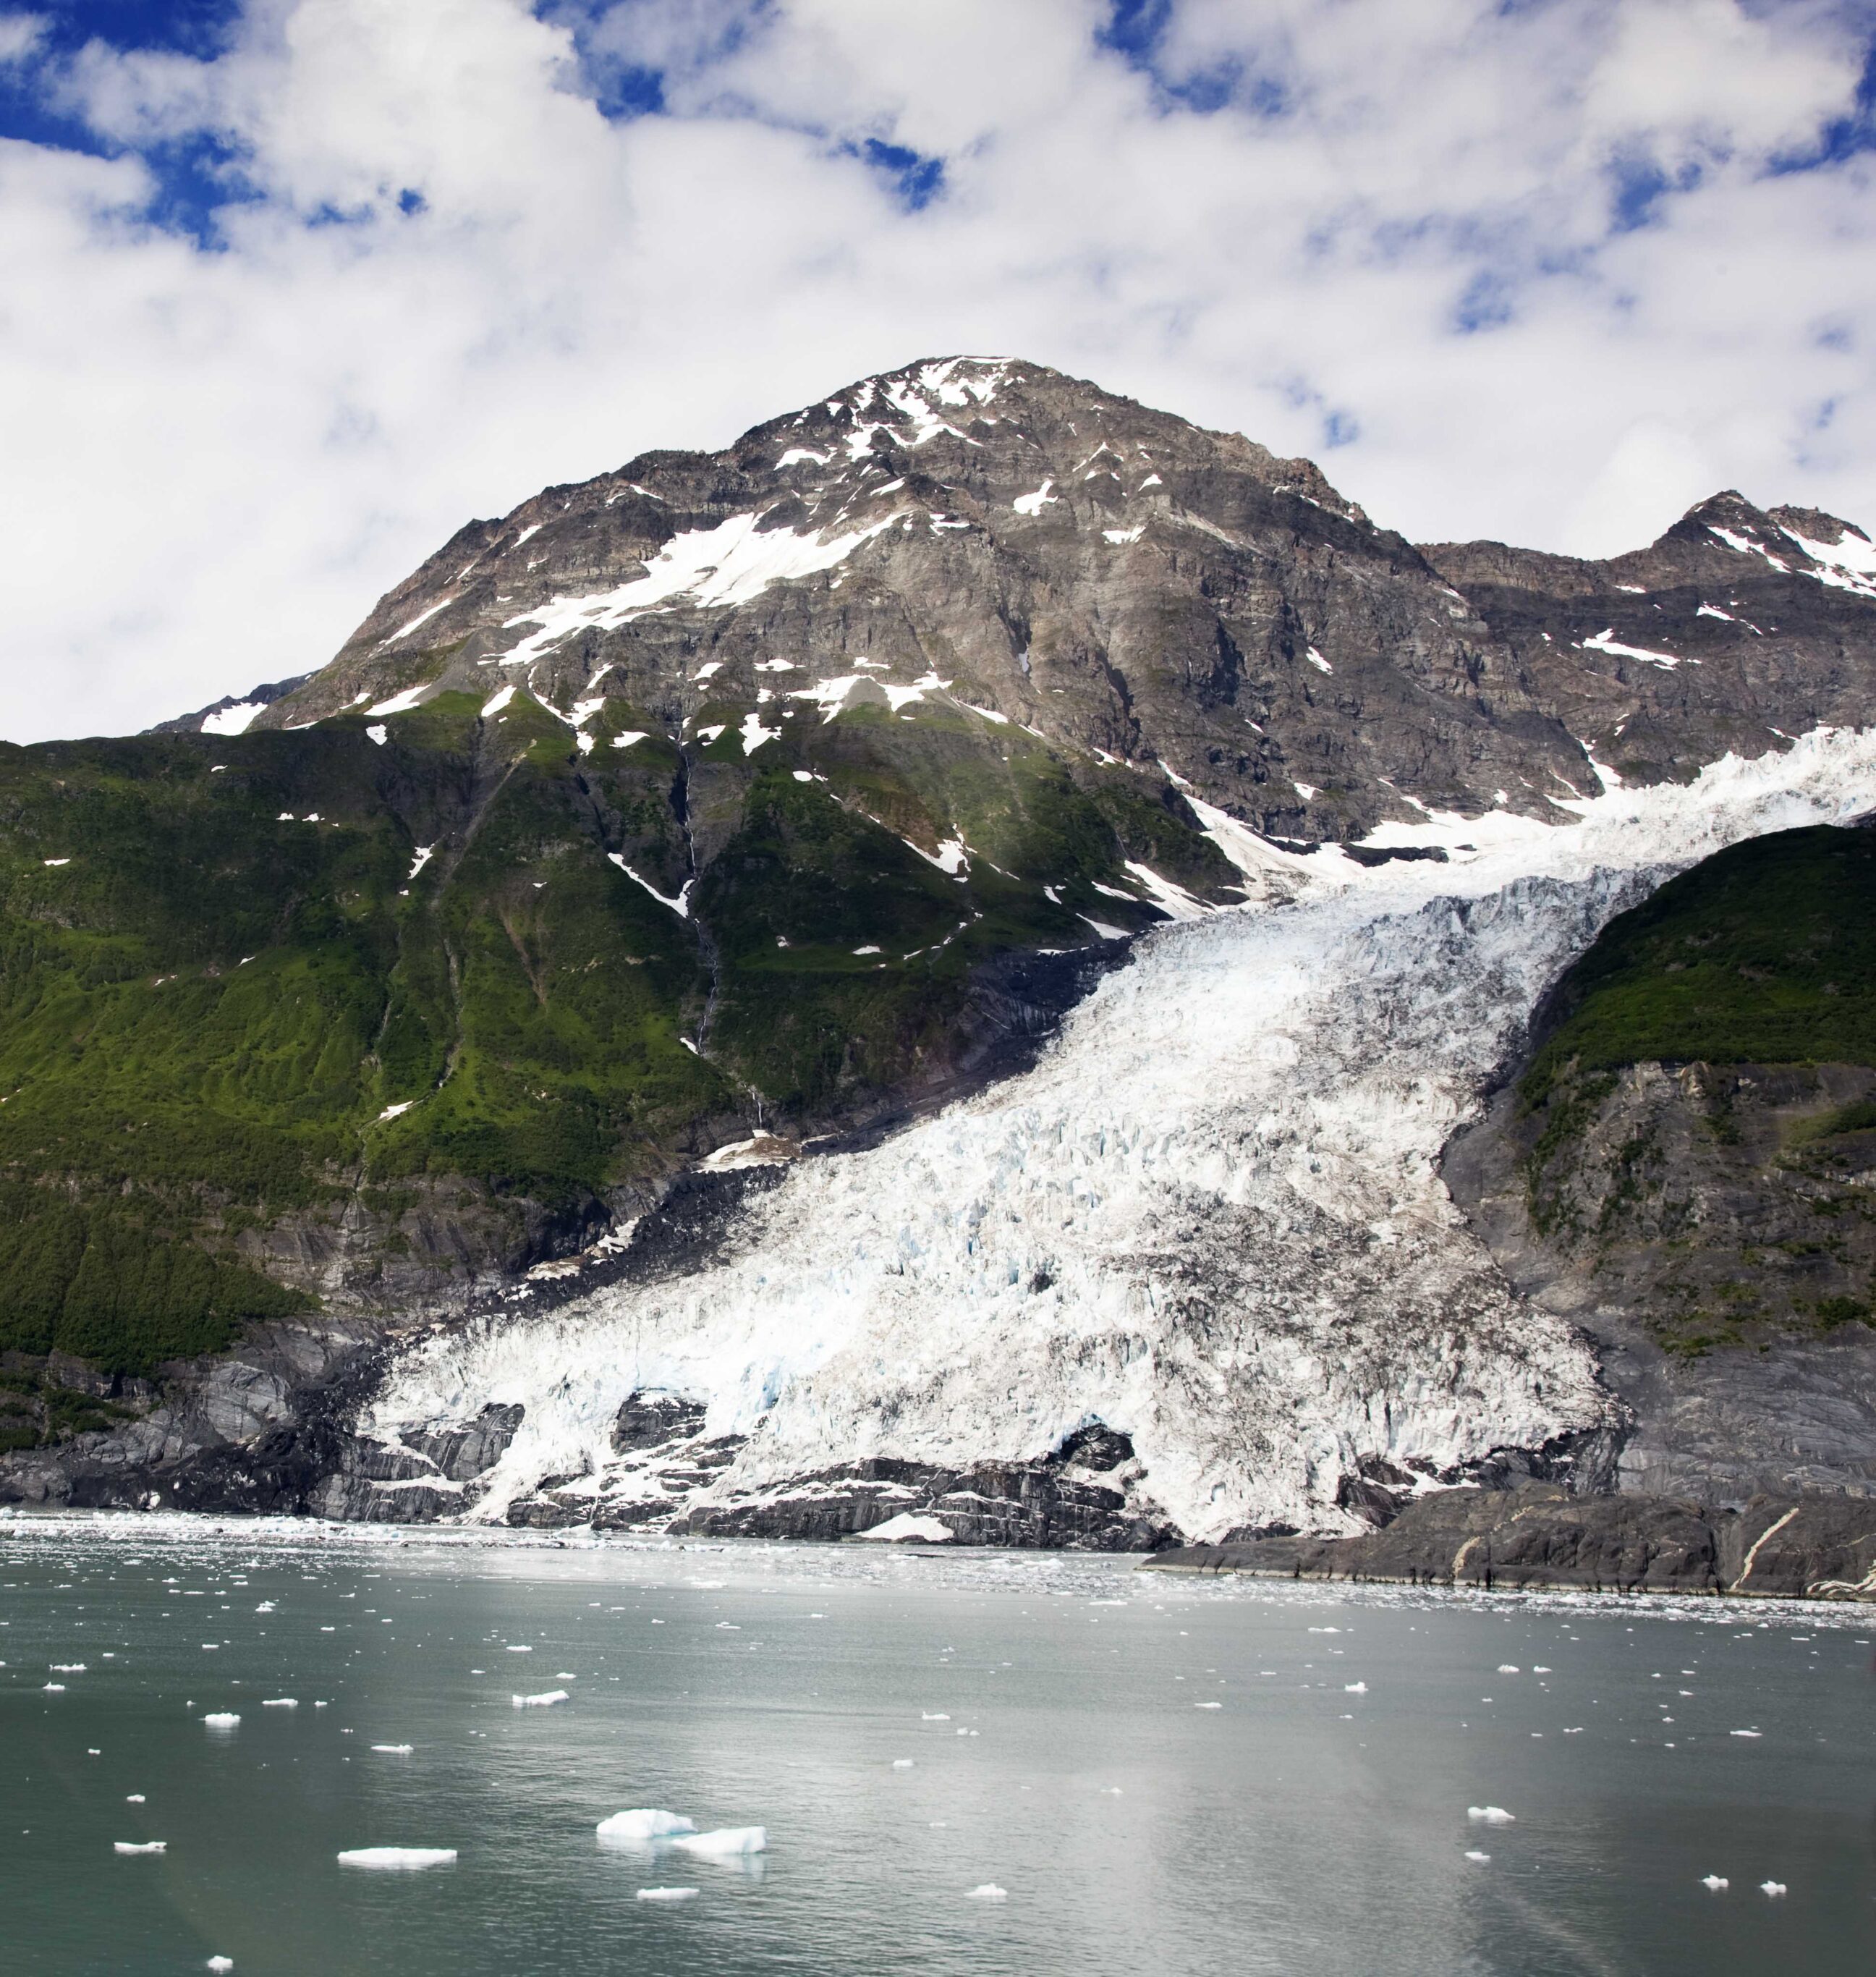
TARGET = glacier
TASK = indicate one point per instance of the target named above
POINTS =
(1210, 1217)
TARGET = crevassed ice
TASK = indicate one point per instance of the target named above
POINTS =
(1211, 1216)
(727, 565)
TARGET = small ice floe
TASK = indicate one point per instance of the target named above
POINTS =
(1714, 1884)
(162, 1847)
(1208, 1705)
(219, 1963)
(933, 1716)
(901, 1764)
(1509, 1667)
(1746, 1733)
(396, 1857)
(265, 1606)
(1491, 1815)
(1325, 1630)
(1354, 1688)
(522, 1650)
(1473, 1853)
(68, 1668)
(220, 1719)
(134, 1798)
(281, 1702)
(564, 1674)
(986, 1891)
(545, 1700)
(55, 1688)
(728, 1843)
(394, 1750)
(1774, 1889)
(667, 1895)
(1537, 1669)
(645, 1823)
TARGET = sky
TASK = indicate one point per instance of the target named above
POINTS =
(290, 289)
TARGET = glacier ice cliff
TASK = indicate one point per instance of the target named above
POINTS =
(1210, 1219)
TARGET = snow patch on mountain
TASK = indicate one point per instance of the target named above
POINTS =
(1210, 1217)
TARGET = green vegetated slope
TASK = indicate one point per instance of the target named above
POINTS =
(416, 1003)
(1700, 1117)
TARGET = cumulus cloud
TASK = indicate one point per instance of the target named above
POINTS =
(282, 315)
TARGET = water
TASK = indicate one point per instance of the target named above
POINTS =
(1298, 1827)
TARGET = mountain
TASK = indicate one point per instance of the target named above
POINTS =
(748, 898)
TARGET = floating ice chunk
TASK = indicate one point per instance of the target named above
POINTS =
(1491, 1815)
(546, 1700)
(667, 1895)
(394, 1750)
(398, 1857)
(134, 1798)
(726, 1843)
(1508, 1668)
(55, 1688)
(986, 1891)
(1775, 1889)
(1208, 1705)
(68, 1668)
(564, 1674)
(901, 1764)
(520, 1649)
(265, 1606)
(929, 1716)
(220, 1963)
(1473, 1853)
(140, 1845)
(281, 1702)
(906, 1529)
(1325, 1630)
(1714, 1884)
(1746, 1733)
(645, 1823)
(1355, 1687)
(220, 1719)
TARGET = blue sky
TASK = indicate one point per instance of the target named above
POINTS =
(297, 286)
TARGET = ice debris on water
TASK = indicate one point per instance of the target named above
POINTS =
(933, 1716)
(139, 1847)
(220, 1719)
(545, 1700)
(667, 1895)
(281, 1702)
(1714, 1884)
(219, 1963)
(395, 1750)
(1508, 1668)
(398, 1857)
(1473, 1853)
(901, 1764)
(1491, 1815)
(1773, 1888)
(726, 1843)
(645, 1823)
(986, 1891)
(1354, 1688)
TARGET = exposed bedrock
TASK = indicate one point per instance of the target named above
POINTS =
(1537, 1538)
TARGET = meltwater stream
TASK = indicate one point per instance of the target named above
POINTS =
(1160, 1774)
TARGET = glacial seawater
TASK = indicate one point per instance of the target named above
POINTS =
(1163, 1775)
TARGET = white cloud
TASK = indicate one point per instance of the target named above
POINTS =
(217, 457)
(20, 34)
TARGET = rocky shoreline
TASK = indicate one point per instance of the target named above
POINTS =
(1539, 1538)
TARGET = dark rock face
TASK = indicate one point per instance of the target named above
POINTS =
(1536, 1538)
(1076, 1499)
(650, 1420)
(461, 1452)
